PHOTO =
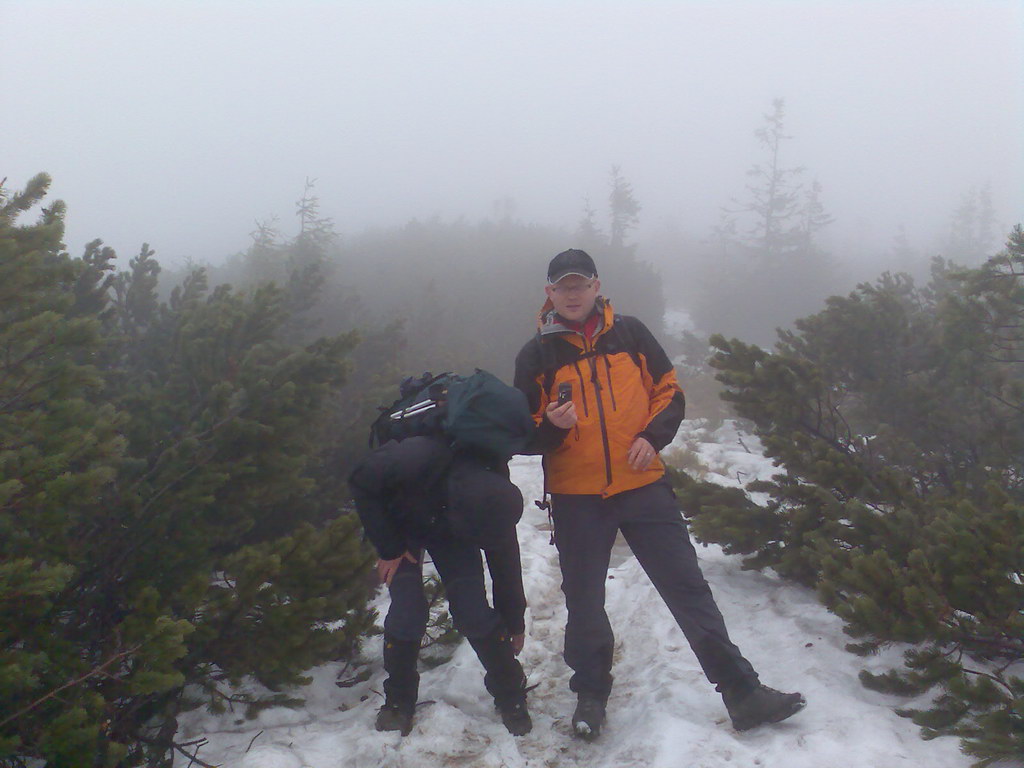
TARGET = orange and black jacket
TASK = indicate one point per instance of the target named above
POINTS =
(624, 387)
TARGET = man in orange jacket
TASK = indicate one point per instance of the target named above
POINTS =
(605, 398)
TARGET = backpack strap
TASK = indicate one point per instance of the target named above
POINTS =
(628, 340)
(548, 364)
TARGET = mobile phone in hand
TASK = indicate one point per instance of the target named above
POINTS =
(564, 392)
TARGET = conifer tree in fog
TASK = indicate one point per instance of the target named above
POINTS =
(895, 415)
(623, 207)
(588, 233)
(631, 283)
(786, 216)
(813, 219)
(165, 529)
(901, 254)
(774, 195)
(972, 228)
(768, 267)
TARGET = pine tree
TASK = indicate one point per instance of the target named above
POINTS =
(625, 210)
(902, 254)
(895, 418)
(767, 252)
(774, 197)
(164, 525)
(972, 231)
(632, 285)
(588, 233)
(994, 300)
(59, 452)
(813, 219)
(263, 257)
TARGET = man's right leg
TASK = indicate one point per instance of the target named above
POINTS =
(584, 534)
(404, 626)
(460, 567)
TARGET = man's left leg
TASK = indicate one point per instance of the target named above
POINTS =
(654, 529)
(461, 570)
(404, 625)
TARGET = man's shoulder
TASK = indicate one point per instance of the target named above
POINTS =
(530, 350)
(630, 320)
(631, 329)
(527, 365)
(544, 343)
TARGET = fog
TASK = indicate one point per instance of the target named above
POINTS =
(182, 123)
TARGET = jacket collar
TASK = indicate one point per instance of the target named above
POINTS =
(549, 322)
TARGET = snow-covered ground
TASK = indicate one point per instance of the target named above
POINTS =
(662, 712)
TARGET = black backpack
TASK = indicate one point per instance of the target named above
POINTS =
(418, 411)
(477, 412)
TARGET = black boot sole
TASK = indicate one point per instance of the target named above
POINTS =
(389, 723)
(518, 727)
(775, 717)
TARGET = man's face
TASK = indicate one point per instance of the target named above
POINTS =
(574, 296)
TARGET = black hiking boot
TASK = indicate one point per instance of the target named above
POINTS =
(401, 686)
(589, 716)
(392, 717)
(516, 717)
(504, 680)
(751, 708)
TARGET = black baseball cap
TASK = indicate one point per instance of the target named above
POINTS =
(571, 262)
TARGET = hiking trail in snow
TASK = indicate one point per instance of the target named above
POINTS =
(662, 713)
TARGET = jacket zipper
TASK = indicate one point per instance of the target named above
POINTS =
(611, 389)
(600, 415)
(583, 387)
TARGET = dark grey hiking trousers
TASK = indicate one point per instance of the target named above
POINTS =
(460, 567)
(650, 521)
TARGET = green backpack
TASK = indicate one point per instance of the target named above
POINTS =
(477, 413)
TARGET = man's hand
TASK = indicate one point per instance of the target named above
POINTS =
(641, 454)
(386, 569)
(563, 416)
(518, 641)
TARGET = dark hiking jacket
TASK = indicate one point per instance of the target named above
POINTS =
(624, 387)
(402, 494)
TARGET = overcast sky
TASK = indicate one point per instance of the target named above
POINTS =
(180, 123)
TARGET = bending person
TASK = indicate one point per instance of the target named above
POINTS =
(415, 495)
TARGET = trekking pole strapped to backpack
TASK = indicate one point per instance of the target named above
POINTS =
(413, 410)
